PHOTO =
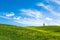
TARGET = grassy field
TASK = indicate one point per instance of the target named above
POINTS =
(10, 32)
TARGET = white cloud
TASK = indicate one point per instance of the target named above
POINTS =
(40, 4)
(5, 17)
(56, 1)
(28, 21)
(33, 13)
(37, 14)
(36, 20)
(17, 18)
(53, 22)
(49, 19)
(49, 8)
(10, 14)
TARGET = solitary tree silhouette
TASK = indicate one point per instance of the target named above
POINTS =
(43, 24)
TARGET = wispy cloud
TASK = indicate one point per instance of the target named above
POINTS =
(48, 19)
(54, 22)
(49, 8)
(55, 1)
(33, 13)
(7, 15)
(51, 21)
(10, 14)
(32, 21)
(28, 21)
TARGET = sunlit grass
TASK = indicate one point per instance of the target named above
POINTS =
(44, 31)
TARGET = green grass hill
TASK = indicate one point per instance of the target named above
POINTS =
(11, 32)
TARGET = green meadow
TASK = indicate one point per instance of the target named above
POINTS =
(11, 32)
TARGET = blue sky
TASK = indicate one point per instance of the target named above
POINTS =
(30, 12)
